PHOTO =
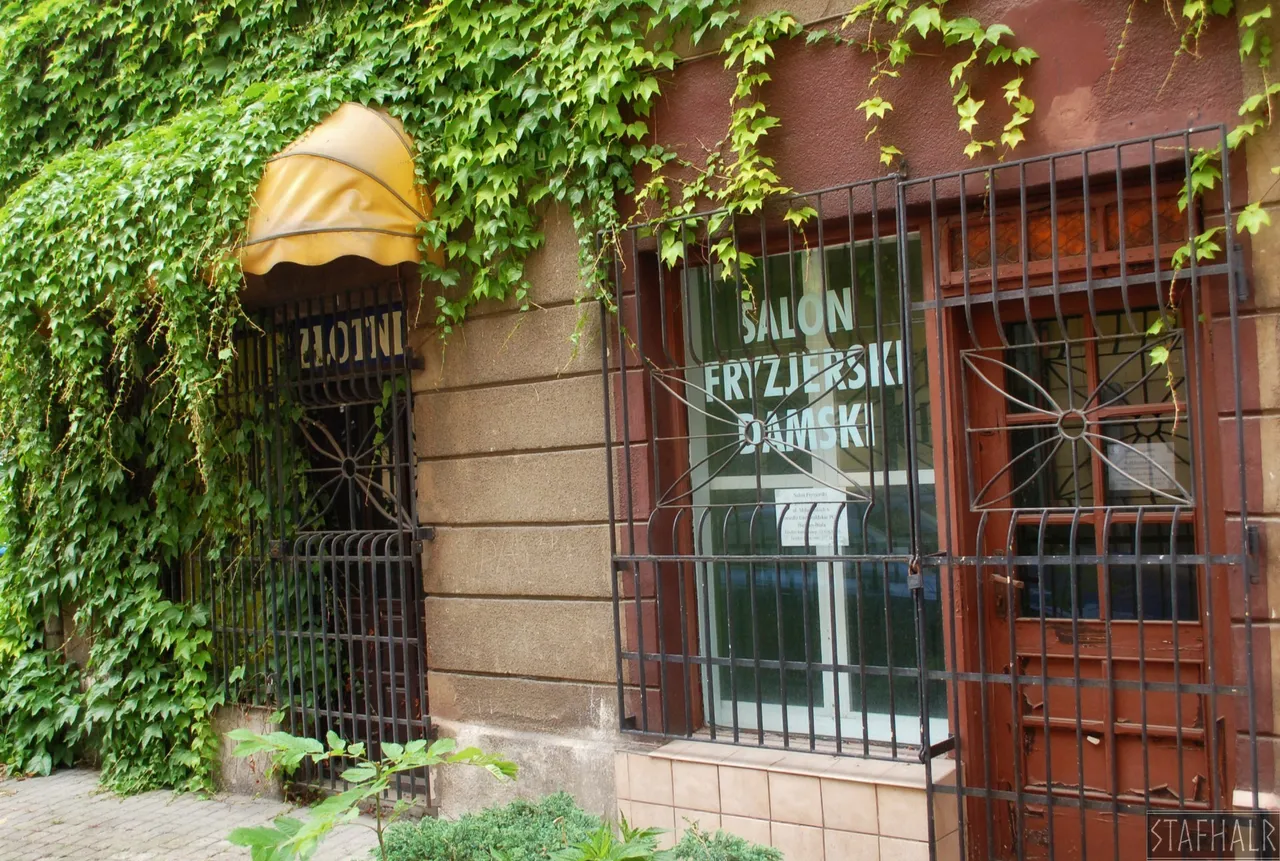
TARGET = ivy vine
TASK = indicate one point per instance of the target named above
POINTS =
(136, 134)
(892, 31)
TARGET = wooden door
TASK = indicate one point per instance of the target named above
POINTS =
(1088, 501)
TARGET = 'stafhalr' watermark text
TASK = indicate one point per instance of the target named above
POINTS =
(1173, 835)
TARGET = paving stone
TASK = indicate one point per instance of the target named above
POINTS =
(66, 817)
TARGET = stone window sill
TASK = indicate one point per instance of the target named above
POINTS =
(910, 775)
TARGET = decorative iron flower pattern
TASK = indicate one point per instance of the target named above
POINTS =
(355, 472)
(748, 433)
(1060, 427)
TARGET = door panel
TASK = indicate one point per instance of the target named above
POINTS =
(1081, 467)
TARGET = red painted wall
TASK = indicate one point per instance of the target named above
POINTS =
(1079, 101)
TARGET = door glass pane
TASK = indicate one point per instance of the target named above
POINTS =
(1046, 366)
(1058, 588)
(1046, 384)
(1050, 472)
(1127, 371)
(1147, 461)
(1167, 591)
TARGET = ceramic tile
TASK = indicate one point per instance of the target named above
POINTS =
(696, 751)
(848, 846)
(855, 769)
(904, 850)
(849, 806)
(650, 779)
(946, 814)
(755, 830)
(696, 785)
(803, 762)
(708, 823)
(949, 847)
(756, 756)
(902, 812)
(905, 774)
(798, 841)
(655, 816)
(795, 798)
(621, 778)
(744, 792)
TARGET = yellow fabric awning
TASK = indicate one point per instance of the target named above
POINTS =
(346, 187)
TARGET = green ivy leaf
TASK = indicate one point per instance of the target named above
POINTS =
(1024, 56)
(875, 107)
(996, 31)
(261, 837)
(1252, 19)
(968, 111)
(1252, 218)
(973, 148)
(359, 774)
(999, 54)
(924, 18)
(797, 216)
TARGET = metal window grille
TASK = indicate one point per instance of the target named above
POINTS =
(319, 611)
(949, 469)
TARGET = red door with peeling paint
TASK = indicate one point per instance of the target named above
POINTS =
(1081, 420)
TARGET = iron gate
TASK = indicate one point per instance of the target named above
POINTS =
(949, 470)
(321, 615)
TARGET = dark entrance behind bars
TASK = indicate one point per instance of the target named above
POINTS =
(323, 607)
(951, 472)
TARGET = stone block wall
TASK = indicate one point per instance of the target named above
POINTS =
(249, 775)
(509, 428)
(1258, 340)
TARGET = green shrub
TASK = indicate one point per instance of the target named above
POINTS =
(534, 830)
(698, 845)
(522, 831)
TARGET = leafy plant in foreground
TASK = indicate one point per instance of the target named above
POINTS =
(288, 838)
(524, 830)
(699, 845)
(550, 828)
(632, 844)
(636, 844)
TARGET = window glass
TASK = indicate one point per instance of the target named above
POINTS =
(798, 428)
(1046, 368)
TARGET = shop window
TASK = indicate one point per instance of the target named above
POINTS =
(798, 447)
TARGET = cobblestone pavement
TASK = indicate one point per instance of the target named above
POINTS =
(66, 817)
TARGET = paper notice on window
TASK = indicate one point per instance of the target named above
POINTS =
(811, 516)
(1141, 466)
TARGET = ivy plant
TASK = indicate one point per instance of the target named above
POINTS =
(368, 780)
(135, 136)
(894, 31)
